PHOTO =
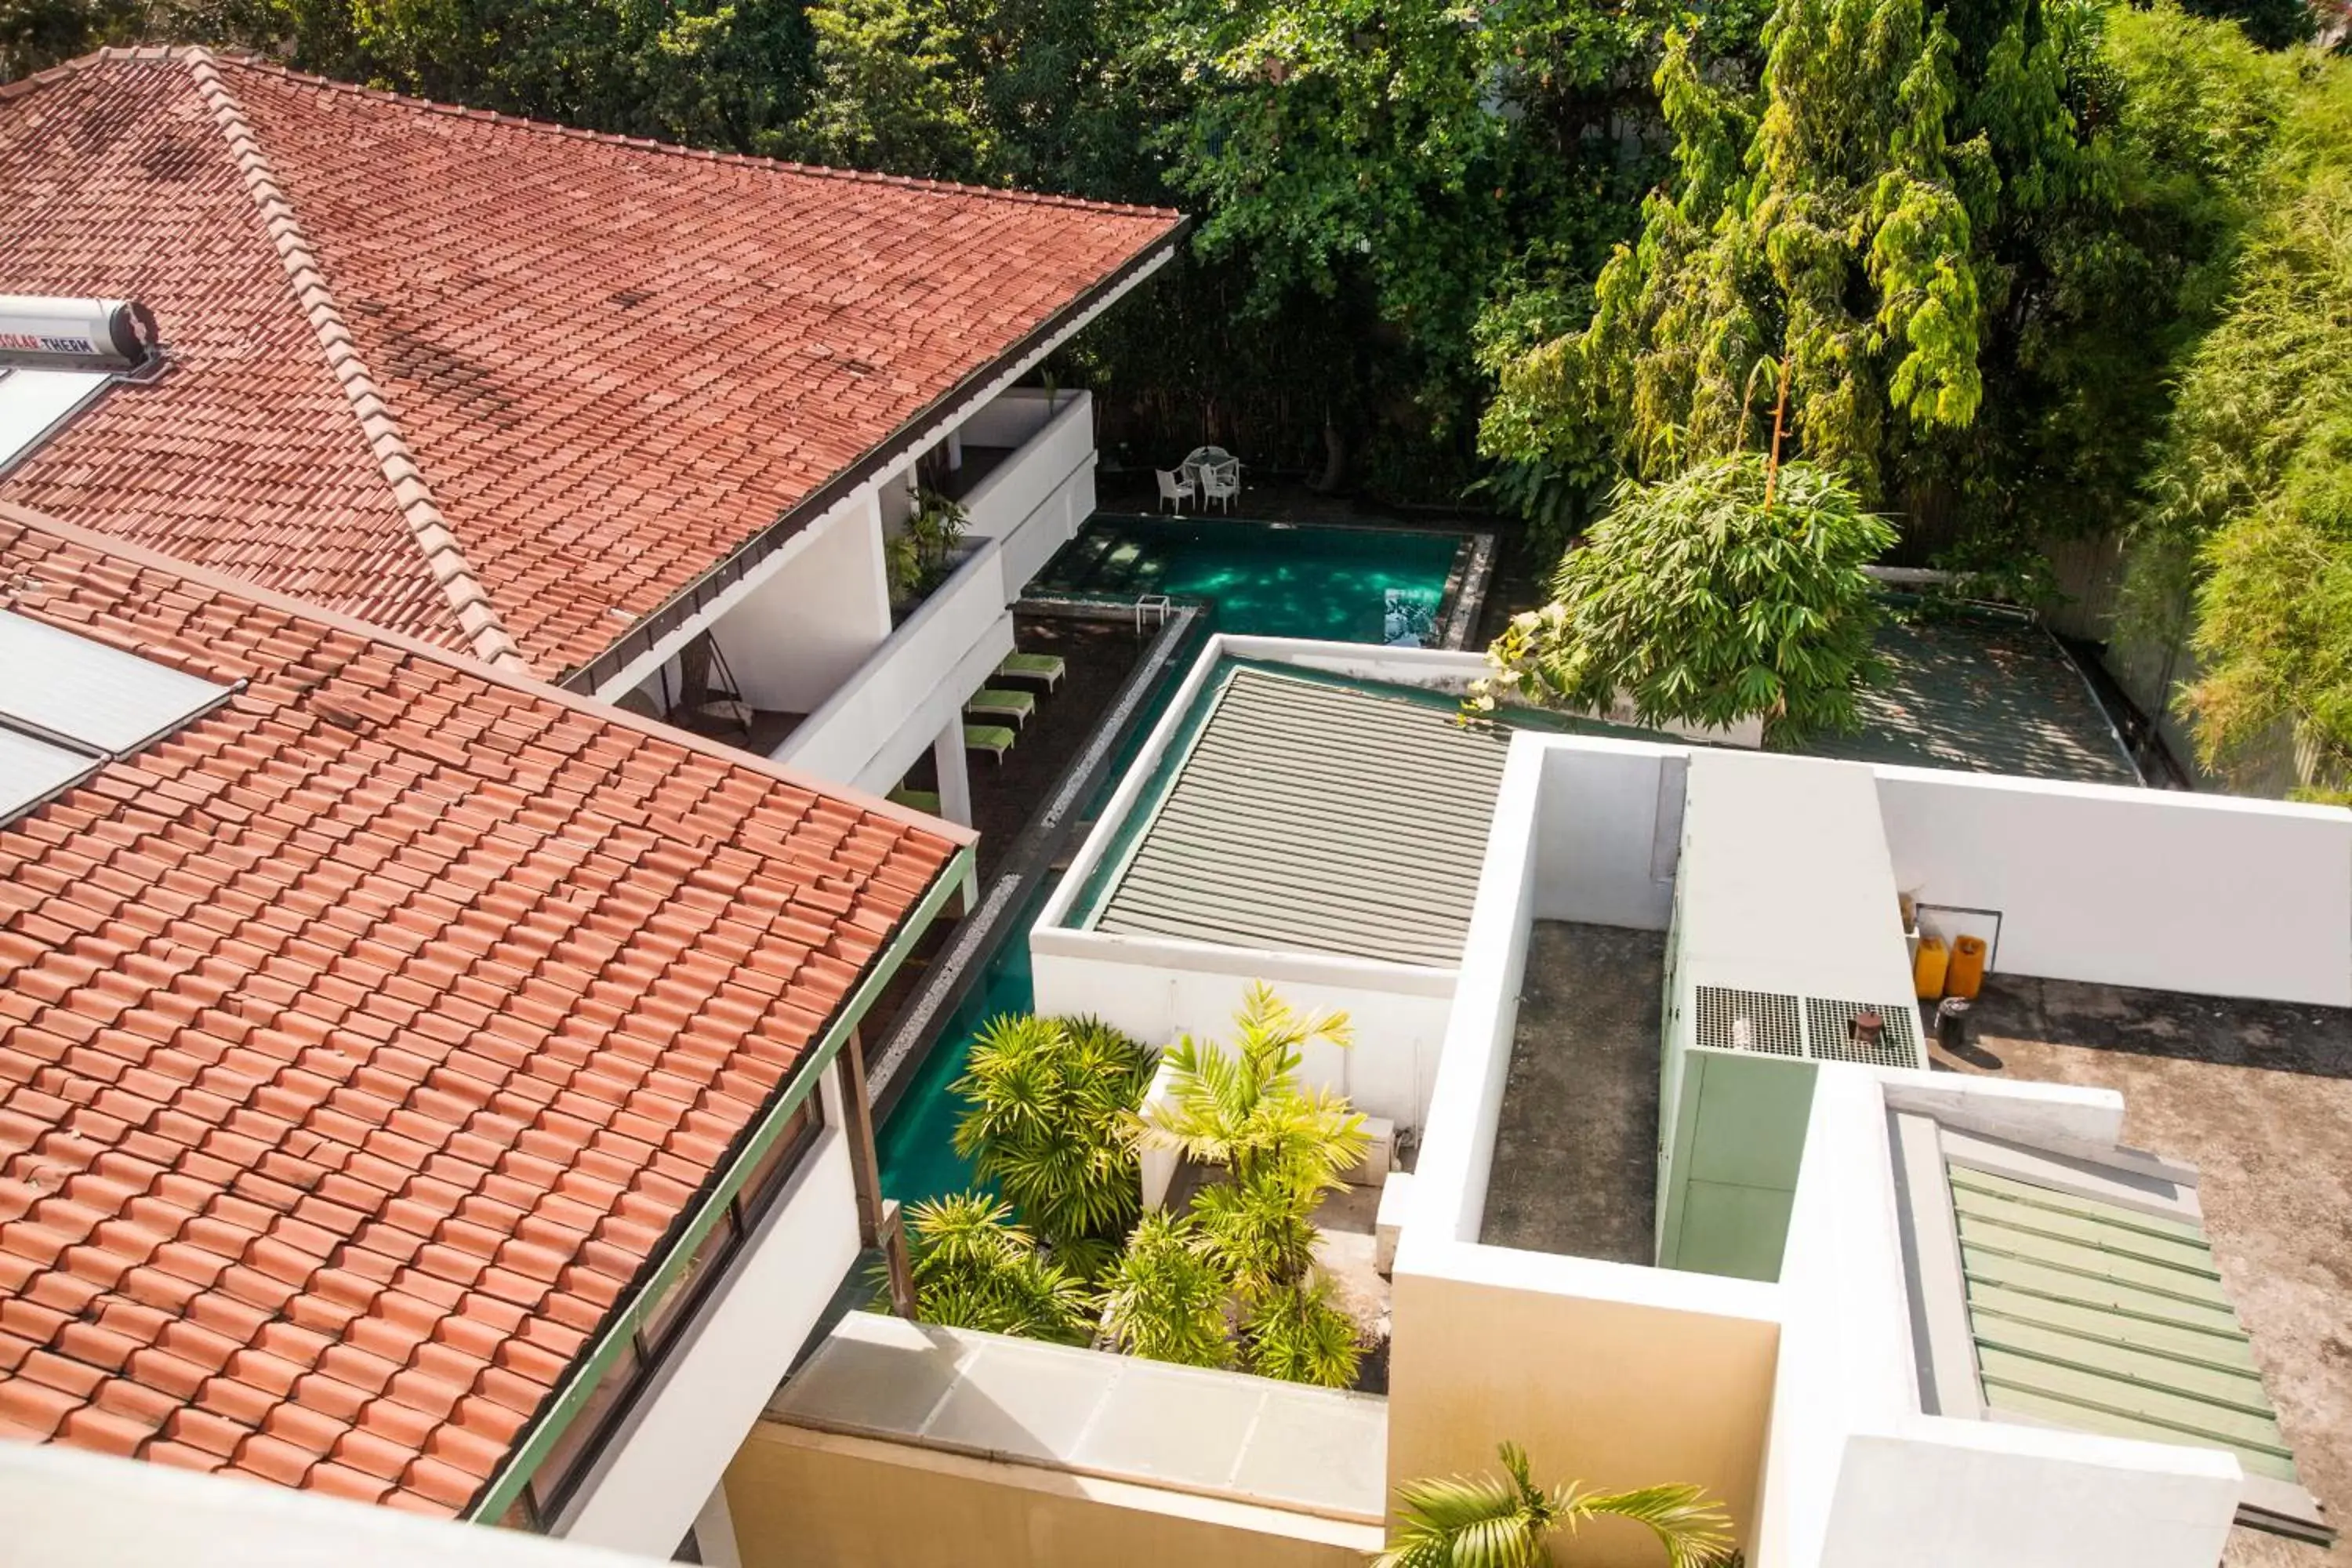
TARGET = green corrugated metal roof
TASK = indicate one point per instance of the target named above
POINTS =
(1320, 815)
(2093, 1315)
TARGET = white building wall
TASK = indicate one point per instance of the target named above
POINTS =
(2128, 886)
(1158, 990)
(656, 1478)
(68, 1505)
(807, 628)
(1608, 832)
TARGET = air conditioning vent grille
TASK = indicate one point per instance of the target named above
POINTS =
(1808, 1028)
(1898, 1038)
(1773, 1024)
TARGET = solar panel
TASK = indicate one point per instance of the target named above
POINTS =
(33, 403)
(32, 771)
(57, 683)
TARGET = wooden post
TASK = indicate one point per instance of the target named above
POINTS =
(879, 1224)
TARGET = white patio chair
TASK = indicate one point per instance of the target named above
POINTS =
(1221, 482)
(1176, 488)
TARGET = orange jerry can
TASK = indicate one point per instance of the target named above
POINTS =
(1927, 970)
(1966, 977)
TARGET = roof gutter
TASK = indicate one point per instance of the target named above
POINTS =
(927, 424)
(524, 1459)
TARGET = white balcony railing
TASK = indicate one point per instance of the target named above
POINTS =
(911, 687)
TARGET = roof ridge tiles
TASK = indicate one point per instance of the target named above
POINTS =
(443, 556)
(149, 54)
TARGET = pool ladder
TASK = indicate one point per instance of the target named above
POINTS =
(1159, 606)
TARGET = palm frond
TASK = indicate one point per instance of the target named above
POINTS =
(1692, 1526)
(1503, 1521)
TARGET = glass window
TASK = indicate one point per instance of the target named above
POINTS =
(661, 1319)
(775, 1167)
(568, 1459)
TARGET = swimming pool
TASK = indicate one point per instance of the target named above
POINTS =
(1268, 579)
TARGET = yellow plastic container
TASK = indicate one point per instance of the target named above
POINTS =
(1966, 977)
(1927, 970)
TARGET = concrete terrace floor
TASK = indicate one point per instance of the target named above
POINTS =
(1576, 1145)
(2258, 1095)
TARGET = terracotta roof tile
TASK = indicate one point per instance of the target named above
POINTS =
(512, 390)
(254, 1220)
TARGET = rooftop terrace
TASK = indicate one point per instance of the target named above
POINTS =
(1576, 1145)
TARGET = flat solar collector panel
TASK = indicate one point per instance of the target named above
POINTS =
(31, 771)
(67, 687)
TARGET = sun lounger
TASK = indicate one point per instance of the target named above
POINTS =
(923, 800)
(995, 702)
(993, 738)
(1045, 667)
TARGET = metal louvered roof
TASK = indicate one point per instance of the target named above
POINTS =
(1319, 816)
(2091, 1314)
(2072, 1294)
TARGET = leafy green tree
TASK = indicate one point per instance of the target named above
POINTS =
(1165, 1299)
(1508, 1522)
(1281, 1148)
(2250, 502)
(1299, 1333)
(1845, 214)
(37, 34)
(1704, 601)
(898, 88)
(974, 1268)
(1050, 1099)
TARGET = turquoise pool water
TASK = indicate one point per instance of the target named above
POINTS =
(1345, 585)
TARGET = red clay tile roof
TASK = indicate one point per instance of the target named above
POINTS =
(361, 1041)
(494, 384)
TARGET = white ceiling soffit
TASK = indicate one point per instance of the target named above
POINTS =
(32, 771)
(59, 684)
(35, 402)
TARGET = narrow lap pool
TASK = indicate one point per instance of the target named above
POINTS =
(1344, 584)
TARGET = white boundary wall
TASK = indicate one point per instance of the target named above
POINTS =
(2202, 893)
(655, 1478)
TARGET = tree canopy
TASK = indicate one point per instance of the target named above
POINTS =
(1697, 602)
(2249, 510)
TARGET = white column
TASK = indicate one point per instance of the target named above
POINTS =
(714, 1533)
(955, 779)
(955, 449)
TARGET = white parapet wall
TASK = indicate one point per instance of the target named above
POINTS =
(1795, 1402)
(1614, 1374)
(872, 722)
(2200, 893)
